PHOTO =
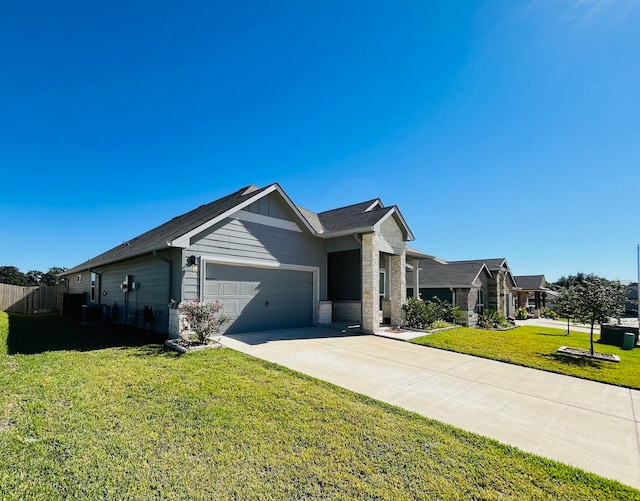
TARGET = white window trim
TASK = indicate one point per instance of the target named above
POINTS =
(382, 293)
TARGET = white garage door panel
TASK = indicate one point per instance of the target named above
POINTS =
(258, 299)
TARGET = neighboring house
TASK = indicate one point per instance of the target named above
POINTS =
(533, 293)
(631, 305)
(270, 263)
(472, 285)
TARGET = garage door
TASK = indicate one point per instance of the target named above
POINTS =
(259, 299)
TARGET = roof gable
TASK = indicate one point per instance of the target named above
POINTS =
(178, 232)
(531, 282)
(361, 218)
(247, 200)
(438, 274)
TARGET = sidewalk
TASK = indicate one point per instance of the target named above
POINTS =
(559, 324)
(582, 423)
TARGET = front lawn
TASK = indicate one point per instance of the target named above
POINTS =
(536, 347)
(139, 422)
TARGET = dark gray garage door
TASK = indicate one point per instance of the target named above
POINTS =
(259, 299)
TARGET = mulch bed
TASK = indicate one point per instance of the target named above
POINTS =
(186, 345)
(607, 357)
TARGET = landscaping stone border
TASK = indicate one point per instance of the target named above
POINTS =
(606, 357)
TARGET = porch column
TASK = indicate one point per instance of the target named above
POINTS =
(416, 277)
(370, 283)
(397, 265)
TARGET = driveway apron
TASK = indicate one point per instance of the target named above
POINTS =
(582, 423)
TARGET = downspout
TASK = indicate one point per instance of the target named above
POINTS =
(170, 262)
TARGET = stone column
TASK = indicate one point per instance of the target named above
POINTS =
(370, 283)
(398, 287)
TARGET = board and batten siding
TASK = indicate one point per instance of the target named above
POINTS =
(246, 240)
(272, 206)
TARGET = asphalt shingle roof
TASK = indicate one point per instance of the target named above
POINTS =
(158, 237)
(531, 282)
(363, 215)
(436, 274)
(348, 218)
(492, 264)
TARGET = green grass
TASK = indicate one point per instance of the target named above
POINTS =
(139, 422)
(536, 347)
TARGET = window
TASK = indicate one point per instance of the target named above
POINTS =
(79, 278)
(93, 287)
(382, 283)
(480, 303)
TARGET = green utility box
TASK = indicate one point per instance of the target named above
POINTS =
(616, 335)
(629, 341)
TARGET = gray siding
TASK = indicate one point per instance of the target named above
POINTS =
(340, 244)
(272, 206)
(151, 276)
(238, 239)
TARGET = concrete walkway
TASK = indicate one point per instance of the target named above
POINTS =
(581, 423)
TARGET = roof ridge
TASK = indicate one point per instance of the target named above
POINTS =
(352, 205)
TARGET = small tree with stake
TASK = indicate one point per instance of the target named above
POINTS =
(565, 305)
(596, 299)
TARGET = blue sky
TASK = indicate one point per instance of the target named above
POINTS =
(500, 128)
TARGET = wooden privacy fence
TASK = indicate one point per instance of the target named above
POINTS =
(37, 299)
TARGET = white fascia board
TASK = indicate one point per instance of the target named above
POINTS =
(91, 264)
(375, 204)
(417, 255)
(393, 211)
(484, 266)
(295, 209)
(185, 240)
(350, 231)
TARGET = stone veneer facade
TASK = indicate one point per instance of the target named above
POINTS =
(388, 240)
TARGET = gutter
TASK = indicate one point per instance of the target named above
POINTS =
(91, 263)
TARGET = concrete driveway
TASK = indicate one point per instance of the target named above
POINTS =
(581, 423)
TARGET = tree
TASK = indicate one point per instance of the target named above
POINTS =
(596, 299)
(51, 277)
(34, 277)
(570, 281)
(12, 275)
(564, 304)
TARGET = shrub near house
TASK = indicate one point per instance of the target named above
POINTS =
(421, 314)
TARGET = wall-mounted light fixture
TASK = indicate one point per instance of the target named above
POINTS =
(191, 261)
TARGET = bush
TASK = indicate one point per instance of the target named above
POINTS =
(547, 313)
(4, 332)
(521, 314)
(202, 320)
(442, 310)
(415, 312)
(491, 319)
(421, 314)
(440, 324)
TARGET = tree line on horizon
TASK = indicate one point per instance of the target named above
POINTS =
(13, 276)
